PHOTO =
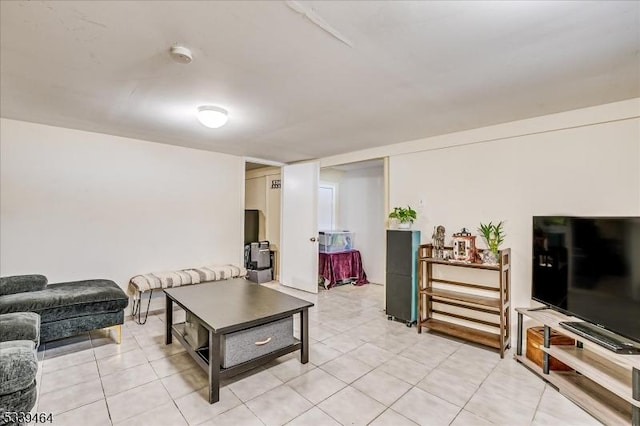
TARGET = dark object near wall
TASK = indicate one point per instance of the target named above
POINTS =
(401, 288)
(251, 226)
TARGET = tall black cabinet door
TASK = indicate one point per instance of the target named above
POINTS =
(399, 252)
(399, 296)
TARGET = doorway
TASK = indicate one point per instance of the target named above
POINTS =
(353, 197)
(262, 197)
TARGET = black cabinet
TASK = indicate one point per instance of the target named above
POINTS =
(402, 275)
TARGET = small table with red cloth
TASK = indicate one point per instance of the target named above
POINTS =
(341, 266)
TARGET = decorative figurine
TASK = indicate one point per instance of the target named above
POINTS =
(464, 246)
(438, 242)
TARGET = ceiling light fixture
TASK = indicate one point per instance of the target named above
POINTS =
(212, 117)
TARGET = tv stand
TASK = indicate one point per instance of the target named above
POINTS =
(605, 384)
(602, 337)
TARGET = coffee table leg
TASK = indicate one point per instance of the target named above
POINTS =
(168, 320)
(214, 367)
(304, 336)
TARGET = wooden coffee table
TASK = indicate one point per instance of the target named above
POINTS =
(229, 306)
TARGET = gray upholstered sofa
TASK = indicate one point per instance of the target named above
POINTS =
(19, 339)
(65, 309)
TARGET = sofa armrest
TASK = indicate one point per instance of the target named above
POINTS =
(18, 366)
(22, 283)
(20, 326)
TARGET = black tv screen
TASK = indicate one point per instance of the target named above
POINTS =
(589, 267)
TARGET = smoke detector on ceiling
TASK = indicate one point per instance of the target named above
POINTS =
(181, 54)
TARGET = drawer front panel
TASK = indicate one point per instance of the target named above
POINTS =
(246, 345)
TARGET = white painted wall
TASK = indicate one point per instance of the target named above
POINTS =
(592, 170)
(78, 205)
(362, 212)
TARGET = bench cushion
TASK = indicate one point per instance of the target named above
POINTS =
(168, 279)
(68, 300)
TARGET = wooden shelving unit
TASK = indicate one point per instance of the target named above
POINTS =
(603, 381)
(461, 298)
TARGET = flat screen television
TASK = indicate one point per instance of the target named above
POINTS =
(589, 267)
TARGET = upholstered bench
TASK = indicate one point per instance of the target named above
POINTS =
(65, 309)
(159, 280)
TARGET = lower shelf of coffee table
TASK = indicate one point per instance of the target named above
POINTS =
(201, 356)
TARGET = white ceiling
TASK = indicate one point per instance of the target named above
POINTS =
(295, 91)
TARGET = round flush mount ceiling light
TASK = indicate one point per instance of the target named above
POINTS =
(212, 117)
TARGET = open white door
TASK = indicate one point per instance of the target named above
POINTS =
(299, 226)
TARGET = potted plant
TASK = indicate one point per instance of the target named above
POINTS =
(405, 217)
(493, 236)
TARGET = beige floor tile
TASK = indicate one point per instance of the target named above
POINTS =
(107, 350)
(138, 400)
(346, 368)
(121, 362)
(320, 353)
(466, 418)
(448, 386)
(240, 415)
(405, 369)
(343, 343)
(316, 385)
(422, 353)
(94, 414)
(254, 384)
(155, 352)
(196, 409)
(313, 417)
(124, 380)
(68, 345)
(54, 380)
(381, 386)
(164, 415)
(425, 409)
(185, 382)
(371, 354)
(391, 418)
(290, 369)
(493, 406)
(278, 406)
(71, 397)
(351, 407)
(173, 364)
(554, 404)
(60, 362)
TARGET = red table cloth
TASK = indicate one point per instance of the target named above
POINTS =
(334, 267)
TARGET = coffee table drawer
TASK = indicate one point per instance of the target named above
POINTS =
(245, 345)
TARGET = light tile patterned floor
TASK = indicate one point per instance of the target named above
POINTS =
(363, 370)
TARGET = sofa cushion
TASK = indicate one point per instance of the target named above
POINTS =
(20, 326)
(68, 300)
(18, 365)
(22, 283)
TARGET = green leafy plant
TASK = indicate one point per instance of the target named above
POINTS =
(403, 215)
(493, 235)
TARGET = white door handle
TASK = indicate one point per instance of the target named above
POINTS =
(264, 342)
